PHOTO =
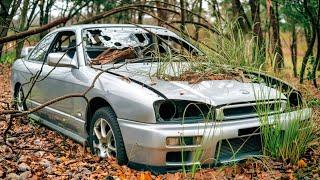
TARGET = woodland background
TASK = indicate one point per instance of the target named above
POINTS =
(281, 37)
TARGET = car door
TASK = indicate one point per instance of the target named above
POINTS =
(32, 67)
(58, 81)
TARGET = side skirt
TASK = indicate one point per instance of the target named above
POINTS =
(63, 131)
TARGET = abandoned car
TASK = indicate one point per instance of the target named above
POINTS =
(134, 117)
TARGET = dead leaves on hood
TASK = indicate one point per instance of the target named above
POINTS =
(193, 77)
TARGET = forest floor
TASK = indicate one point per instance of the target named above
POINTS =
(39, 153)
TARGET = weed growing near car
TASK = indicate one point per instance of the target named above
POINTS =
(291, 143)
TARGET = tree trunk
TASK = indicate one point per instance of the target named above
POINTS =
(46, 7)
(259, 51)
(41, 18)
(182, 14)
(294, 50)
(31, 15)
(311, 40)
(22, 26)
(8, 9)
(162, 14)
(216, 11)
(199, 20)
(140, 14)
(240, 15)
(275, 39)
(316, 62)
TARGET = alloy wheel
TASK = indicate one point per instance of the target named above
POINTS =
(104, 143)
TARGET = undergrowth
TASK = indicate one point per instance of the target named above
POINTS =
(8, 57)
(284, 136)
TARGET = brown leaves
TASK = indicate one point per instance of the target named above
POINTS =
(302, 164)
(145, 176)
(196, 77)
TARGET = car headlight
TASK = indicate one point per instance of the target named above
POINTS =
(182, 111)
(294, 97)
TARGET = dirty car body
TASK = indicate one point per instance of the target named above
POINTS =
(149, 112)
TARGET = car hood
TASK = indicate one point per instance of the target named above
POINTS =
(214, 92)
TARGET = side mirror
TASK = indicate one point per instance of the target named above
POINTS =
(26, 51)
(61, 59)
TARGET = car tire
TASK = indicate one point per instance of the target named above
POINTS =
(18, 99)
(107, 115)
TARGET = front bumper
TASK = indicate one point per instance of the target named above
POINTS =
(146, 143)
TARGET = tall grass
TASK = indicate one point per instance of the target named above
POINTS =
(283, 139)
(227, 48)
(208, 118)
(230, 46)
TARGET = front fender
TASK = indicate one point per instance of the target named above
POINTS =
(294, 95)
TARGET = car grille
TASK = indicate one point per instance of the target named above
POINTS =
(247, 110)
(238, 148)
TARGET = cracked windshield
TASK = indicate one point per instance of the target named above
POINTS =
(115, 45)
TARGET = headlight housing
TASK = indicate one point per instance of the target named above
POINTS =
(295, 98)
(182, 111)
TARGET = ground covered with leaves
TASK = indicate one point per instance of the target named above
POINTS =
(36, 152)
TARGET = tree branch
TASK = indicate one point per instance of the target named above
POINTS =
(33, 31)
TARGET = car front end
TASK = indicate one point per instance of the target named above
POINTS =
(174, 145)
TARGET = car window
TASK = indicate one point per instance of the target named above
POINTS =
(112, 45)
(41, 49)
(66, 43)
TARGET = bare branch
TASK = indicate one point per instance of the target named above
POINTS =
(33, 31)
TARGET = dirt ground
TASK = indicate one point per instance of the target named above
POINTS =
(39, 153)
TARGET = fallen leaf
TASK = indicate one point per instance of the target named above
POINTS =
(302, 164)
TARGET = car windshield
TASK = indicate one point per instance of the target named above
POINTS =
(114, 45)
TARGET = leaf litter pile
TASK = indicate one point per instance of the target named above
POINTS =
(195, 77)
(36, 152)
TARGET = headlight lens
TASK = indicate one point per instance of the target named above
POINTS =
(167, 110)
(182, 110)
(295, 99)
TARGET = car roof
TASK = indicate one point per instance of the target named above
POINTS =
(85, 26)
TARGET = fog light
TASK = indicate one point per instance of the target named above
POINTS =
(184, 141)
(173, 141)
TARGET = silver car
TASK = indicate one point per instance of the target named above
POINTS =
(134, 117)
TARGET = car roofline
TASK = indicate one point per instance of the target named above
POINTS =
(86, 26)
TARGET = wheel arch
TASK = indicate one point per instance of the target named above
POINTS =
(93, 105)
